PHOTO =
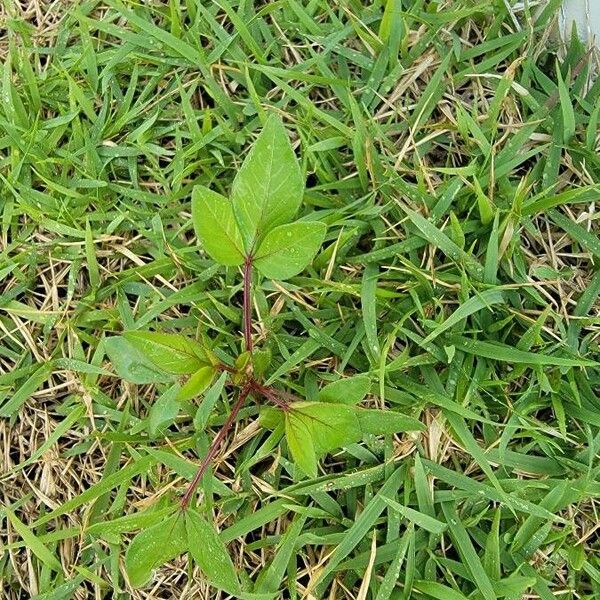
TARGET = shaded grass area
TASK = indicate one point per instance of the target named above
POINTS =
(452, 150)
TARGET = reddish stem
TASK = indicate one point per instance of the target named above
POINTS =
(248, 303)
(285, 395)
(278, 397)
(214, 447)
(270, 393)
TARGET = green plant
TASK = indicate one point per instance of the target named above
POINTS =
(456, 168)
(253, 230)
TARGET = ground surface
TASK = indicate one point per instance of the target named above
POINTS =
(453, 151)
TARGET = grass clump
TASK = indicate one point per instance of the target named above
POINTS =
(449, 157)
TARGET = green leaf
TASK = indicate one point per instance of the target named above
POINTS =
(588, 239)
(491, 557)
(438, 591)
(466, 550)
(242, 361)
(197, 383)
(300, 443)
(272, 576)
(566, 107)
(330, 426)
(420, 519)
(484, 204)
(32, 542)
(514, 586)
(24, 392)
(438, 239)
(164, 411)
(211, 397)
(216, 227)
(576, 557)
(171, 352)
(472, 305)
(270, 417)
(267, 190)
(381, 422)
(363, 523)
(368, 301)
(391, 19)
(457, 235)
(351, 390)
(288, 249)
(153, 547)
(261, 360)
(505, 353)
(130, 364)
(393, 571)
(210, 553)
(130, 522)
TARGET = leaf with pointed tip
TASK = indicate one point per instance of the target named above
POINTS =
(351, 390)
(216, 227)
(268, 188)
(153, 547)
(32, 542)
(288, 249)
(197, 383)
(131, 364)
(210, 553)
(171, 352)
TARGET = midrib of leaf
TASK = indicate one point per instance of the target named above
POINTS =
(264, 203)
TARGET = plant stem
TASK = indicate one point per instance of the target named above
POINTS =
(248, 303)
(285, 396)
(214, 447)
(270, 393)
(277, 397)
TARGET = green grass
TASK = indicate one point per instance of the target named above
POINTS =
(452, 150)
